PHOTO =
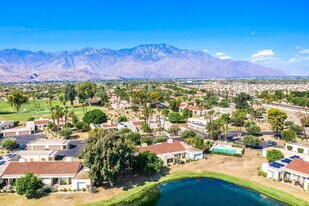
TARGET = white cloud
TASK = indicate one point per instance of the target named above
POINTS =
(221, 55)
(224, 57)
(304, 51)
(297, 47)
(205, 50)
(292, 60)
(264, 55)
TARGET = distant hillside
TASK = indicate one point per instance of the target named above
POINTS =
(144, 61)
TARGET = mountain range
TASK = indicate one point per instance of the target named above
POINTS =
(143, 61)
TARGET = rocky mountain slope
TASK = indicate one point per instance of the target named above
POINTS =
(144, 61)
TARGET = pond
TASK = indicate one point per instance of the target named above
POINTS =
(210, 192)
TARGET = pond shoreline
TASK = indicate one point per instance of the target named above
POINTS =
(140, 195)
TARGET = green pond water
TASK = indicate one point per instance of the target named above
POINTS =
(210, 192)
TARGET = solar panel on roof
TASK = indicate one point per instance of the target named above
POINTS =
(295, 156)
(286, 160)
(276, 165)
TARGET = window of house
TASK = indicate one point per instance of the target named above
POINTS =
(171, 160)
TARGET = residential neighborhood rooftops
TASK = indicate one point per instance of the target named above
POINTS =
(194, 108)
(197, 124)
(165, 147)
(36, 152)
(49, 142)
(41, 168)
(41, 121)
(299, 165)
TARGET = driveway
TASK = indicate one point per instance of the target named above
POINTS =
(76, 147)
(25, 139)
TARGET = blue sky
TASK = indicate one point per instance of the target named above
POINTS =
(273, 33)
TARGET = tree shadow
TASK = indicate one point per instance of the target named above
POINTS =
(6, 113)
(133, 180)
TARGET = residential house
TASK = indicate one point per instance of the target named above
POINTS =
(172, 151)
(195, 110)
(6, 124)
(16, 132)
(48, 144)
(52, 173)
(39, 124)
(298, 147)
(196, 126)
(36, 155)
(293, 169)
(115, 126)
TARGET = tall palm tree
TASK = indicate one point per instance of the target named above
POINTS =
(58, 115)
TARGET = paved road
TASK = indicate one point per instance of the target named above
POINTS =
(25, 139)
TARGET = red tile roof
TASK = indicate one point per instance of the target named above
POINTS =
(41, 168)
(299, 166)
(137, 123)
(164, 147)
(44, 121)
(194, 108)
(109, 125)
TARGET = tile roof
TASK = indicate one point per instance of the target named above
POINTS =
(109, 125)
(299, 165)
(137, 123)
(164, 147)
(41, 168)
(43, 121)
(194, 108)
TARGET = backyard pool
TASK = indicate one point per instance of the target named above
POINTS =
(225, 150)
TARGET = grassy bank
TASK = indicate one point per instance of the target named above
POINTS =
(135, 195)
(26, 111)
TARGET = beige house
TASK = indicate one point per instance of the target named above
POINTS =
(36, 155)
(48, 144)
(16, 132)
(6, 124)
(172, 151)
(53, 173)
(297, 147)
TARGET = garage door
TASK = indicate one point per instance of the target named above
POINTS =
(9, 134)
(81, 185)
(24, 133)
(197, 156)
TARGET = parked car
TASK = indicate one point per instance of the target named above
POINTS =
(2, 162)
(22, 147)
(257, 147)
(271, 143)
(277, 136)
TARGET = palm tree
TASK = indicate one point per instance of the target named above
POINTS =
(58, 115)
(225, 122)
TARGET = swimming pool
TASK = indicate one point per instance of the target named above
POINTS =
(225, 150)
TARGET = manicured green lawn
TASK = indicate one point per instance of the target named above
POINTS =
(137, 193)
(9, 113)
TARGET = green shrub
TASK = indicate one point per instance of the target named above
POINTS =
(122, 118)
(16, 123)
(300, 150)
(274, 155)
(262, 173)
(10, 143)
(289, 147)
(160, 139)
(30, 119)
(95, 116)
